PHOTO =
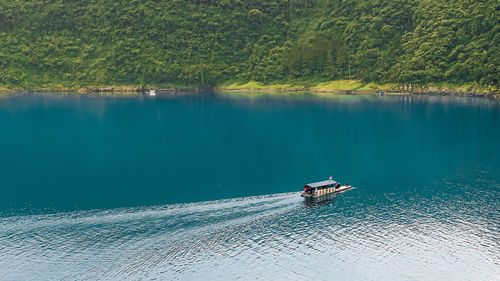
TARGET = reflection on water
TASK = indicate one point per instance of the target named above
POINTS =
(273, 237)
(76, 172)
(324, 199)
(67, 152)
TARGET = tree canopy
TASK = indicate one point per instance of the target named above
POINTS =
(103, 42)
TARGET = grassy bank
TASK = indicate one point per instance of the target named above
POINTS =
(357, 86)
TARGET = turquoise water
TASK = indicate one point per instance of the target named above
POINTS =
(206, 187)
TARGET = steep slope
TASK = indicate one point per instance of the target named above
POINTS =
(102, 42)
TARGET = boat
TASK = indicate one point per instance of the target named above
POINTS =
(322, 189)
(152, 93)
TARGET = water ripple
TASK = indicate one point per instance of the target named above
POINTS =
(264, 237)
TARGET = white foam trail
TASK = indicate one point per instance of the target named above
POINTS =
(272, 237)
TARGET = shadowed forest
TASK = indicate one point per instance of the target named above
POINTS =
(77, 43)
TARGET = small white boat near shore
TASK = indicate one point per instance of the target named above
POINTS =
(152, 93)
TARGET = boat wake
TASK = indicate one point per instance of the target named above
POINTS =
(272, 237)
(148, 242)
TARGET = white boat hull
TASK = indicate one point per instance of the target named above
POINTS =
(326, 191)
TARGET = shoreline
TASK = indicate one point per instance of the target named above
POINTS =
(353, 87)
(290, 92)
(359, 87)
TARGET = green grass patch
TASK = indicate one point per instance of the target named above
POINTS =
(245, 86)
(338, 85)
(369, 87)
(298, 85)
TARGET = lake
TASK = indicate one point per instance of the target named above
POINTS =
(206, 186)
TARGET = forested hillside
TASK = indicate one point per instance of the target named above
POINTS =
(76, 43)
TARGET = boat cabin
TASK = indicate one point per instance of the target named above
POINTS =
(321, 187)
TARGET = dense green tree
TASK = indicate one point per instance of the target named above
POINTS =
(101, 42)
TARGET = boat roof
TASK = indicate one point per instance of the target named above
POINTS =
(321, 183)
